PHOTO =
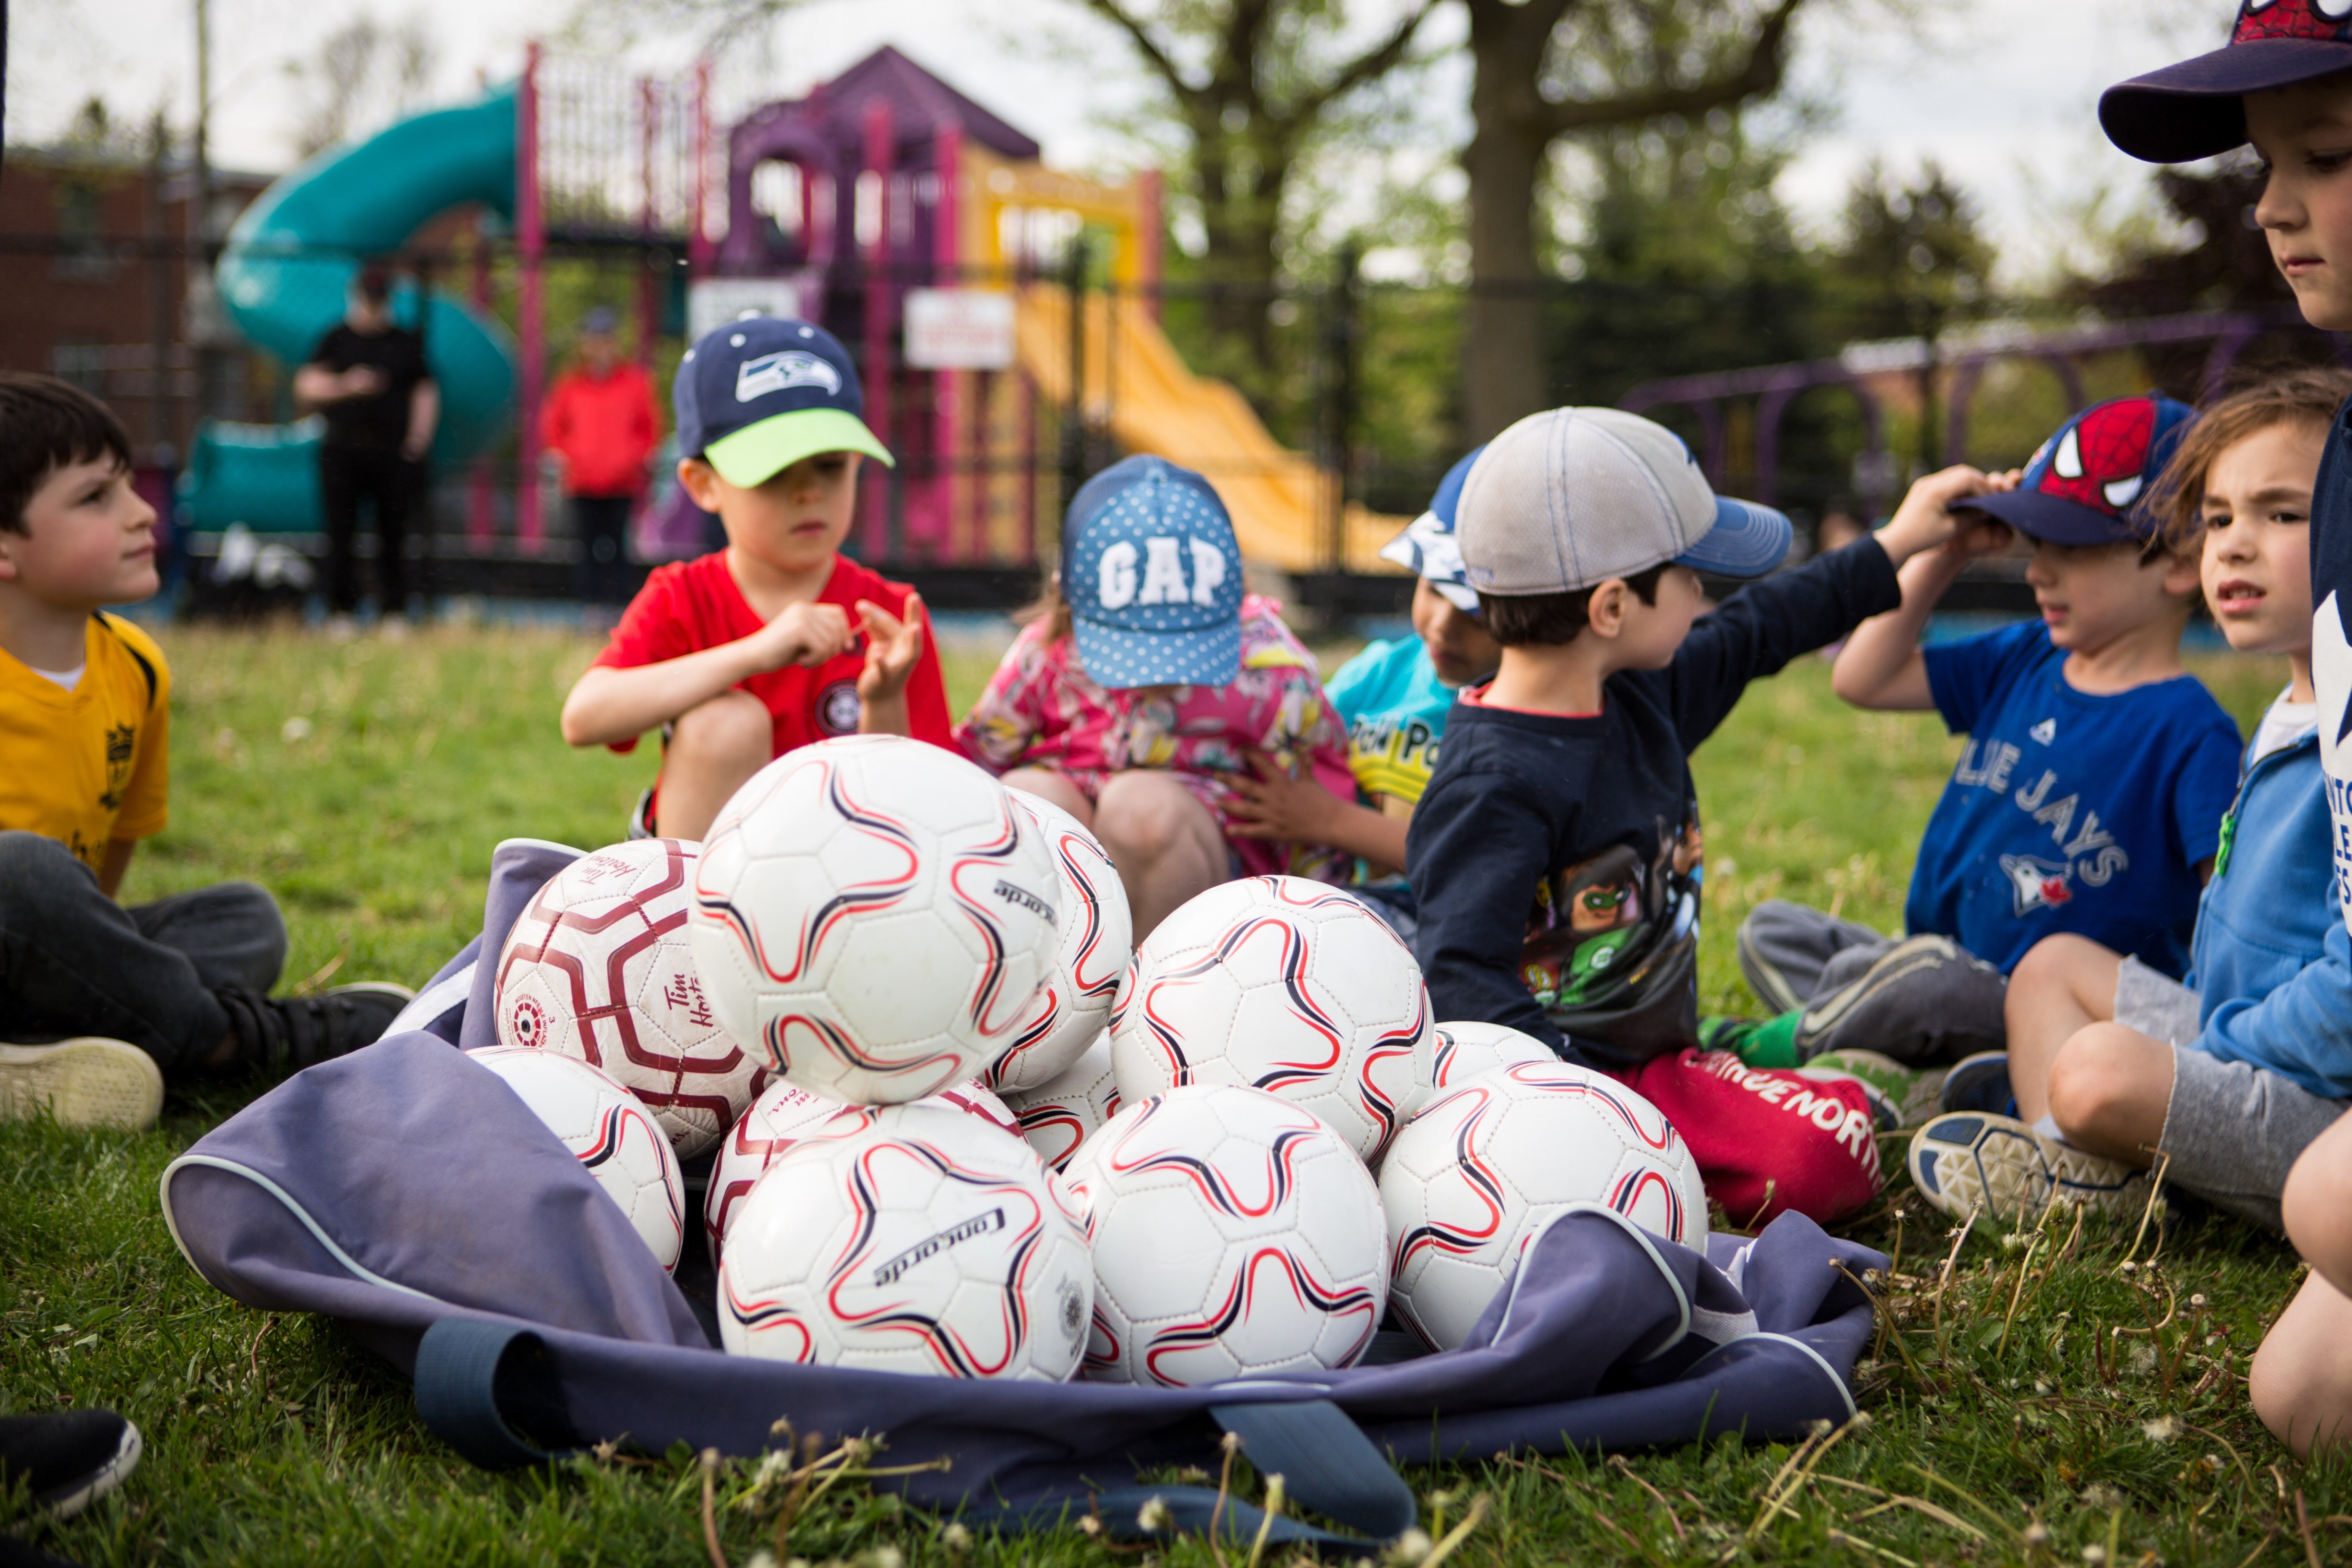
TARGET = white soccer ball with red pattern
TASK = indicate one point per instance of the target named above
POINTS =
(787, 1113)
(1096, 941)
(1285, 985)
(926, 1241)
(1483, 1168)
(1234, 1235)
(1467, 1049)
(1057, 1118)
(874, 916)
(610, 1132)
(599, 967)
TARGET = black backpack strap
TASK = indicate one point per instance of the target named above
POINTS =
(146, 665)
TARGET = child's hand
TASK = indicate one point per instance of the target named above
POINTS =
(804, 634)
(1275, 805)
(1926, 520)
(892, 647)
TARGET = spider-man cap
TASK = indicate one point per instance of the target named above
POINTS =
(2196, 108)
(2089, 483)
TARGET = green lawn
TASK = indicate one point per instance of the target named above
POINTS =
(365, 783)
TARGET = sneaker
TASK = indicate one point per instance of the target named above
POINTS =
(1884, 1110)
(1969, 1163)
(1980, 1082)
(287, 1034)
(1912, 1091)
(68, 1458)
(85, 1082)
(1925, 999)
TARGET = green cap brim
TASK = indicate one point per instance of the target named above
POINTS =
(758, 453)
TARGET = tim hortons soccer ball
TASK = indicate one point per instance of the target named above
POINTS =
(876, 916)
(1469, 1049)
(1472, 1178)
(1097, 937)
(927, 1241)
(609, 1131)
(1057, 1118)
(785, 1114)
(600, 967)
(1234, 1235)
(1284, 984)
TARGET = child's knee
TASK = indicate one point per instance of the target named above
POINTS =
(2100, 1074)
(34, 865)
(726, 730)
(2052, 967)
(2318, 1221)
(1149, 815)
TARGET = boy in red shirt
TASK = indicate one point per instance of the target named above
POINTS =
(600, 423)
(777, 640)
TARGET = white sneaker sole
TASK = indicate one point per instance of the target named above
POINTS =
(86, 1082)
(1967, 1163)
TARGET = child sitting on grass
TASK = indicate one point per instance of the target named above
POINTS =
(1394, 698)
(2090, 795)
(2234, 1072)
(109, 1002)
(1556, 855)
(744, 654)
(1147, 680)
(2301, 1380)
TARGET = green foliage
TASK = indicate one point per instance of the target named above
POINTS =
(2007, 1423)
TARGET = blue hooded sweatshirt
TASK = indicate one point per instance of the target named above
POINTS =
(2271, 963)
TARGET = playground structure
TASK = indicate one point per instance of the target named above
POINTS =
(921, 228)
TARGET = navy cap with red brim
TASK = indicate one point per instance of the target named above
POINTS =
(2196, 108)
(2039, 515)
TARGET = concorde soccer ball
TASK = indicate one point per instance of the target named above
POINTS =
(927, 1241)
(1082, 981)
(785, 1114)
(611, 1132)
(1057, 1118)
(600, 967)
(1284, 984)
(875, 916)
(1482, 1169)
(1234, 1235)
(1467, 1049)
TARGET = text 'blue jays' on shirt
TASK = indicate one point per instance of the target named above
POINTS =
(2069, 811)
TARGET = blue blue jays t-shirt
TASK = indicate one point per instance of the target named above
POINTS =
(1394, 707)
(2069, 811)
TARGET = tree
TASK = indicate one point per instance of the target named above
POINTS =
(1550, 68)
(1249, 84)
(365, 75)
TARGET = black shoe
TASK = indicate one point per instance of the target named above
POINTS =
(1980, 1083)
(287, 1034)
(68, 1458)
(14, 1553)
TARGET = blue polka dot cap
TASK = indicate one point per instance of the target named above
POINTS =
(1153, 578)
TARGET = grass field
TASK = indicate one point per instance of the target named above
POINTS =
(2053, 1403)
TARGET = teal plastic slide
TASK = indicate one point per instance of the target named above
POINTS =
(282, 279)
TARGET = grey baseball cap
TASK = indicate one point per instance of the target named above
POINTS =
(1572, 497)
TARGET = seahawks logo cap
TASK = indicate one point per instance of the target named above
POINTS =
(756, 396)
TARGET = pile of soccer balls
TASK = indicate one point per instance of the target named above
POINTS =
(1223, 1153)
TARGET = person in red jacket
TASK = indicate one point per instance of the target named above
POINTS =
(600, 423)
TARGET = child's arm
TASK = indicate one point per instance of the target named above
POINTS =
(610, 704)
(116, 865)
(1478, 850)
(1275, 804)
(893, 648)
(2302, 1029)
(1881, 665)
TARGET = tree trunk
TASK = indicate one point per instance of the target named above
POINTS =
(1503, 343)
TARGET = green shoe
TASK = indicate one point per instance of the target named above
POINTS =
(1915, 1092)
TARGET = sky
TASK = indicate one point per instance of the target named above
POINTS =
(2001, 92)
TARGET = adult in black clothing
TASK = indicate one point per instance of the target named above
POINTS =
(368, 378)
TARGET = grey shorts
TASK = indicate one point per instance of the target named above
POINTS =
(2231, 1130)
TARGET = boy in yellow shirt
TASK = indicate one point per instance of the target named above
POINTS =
(103, 1002)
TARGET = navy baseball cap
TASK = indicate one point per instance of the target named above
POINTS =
(2196, 108)
(2089, 483)
(756, 396)
(1152, 574)
(1427, 547)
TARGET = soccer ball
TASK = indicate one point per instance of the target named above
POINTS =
(611, 1133)
(1284, 984)
(1462, 1051)
(924, 1242)
(875, 915)
(1234, 1235)
(787, 1113)
(599, 967)
(1472, 1179)
(1096, 938)
(1057, 1118)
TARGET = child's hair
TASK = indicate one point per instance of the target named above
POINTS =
(2309, 396)
(47, 425)
(374, 283)
(1516, 619)
(1048, 607)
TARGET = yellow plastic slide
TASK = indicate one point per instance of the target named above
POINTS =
(1280, 499)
